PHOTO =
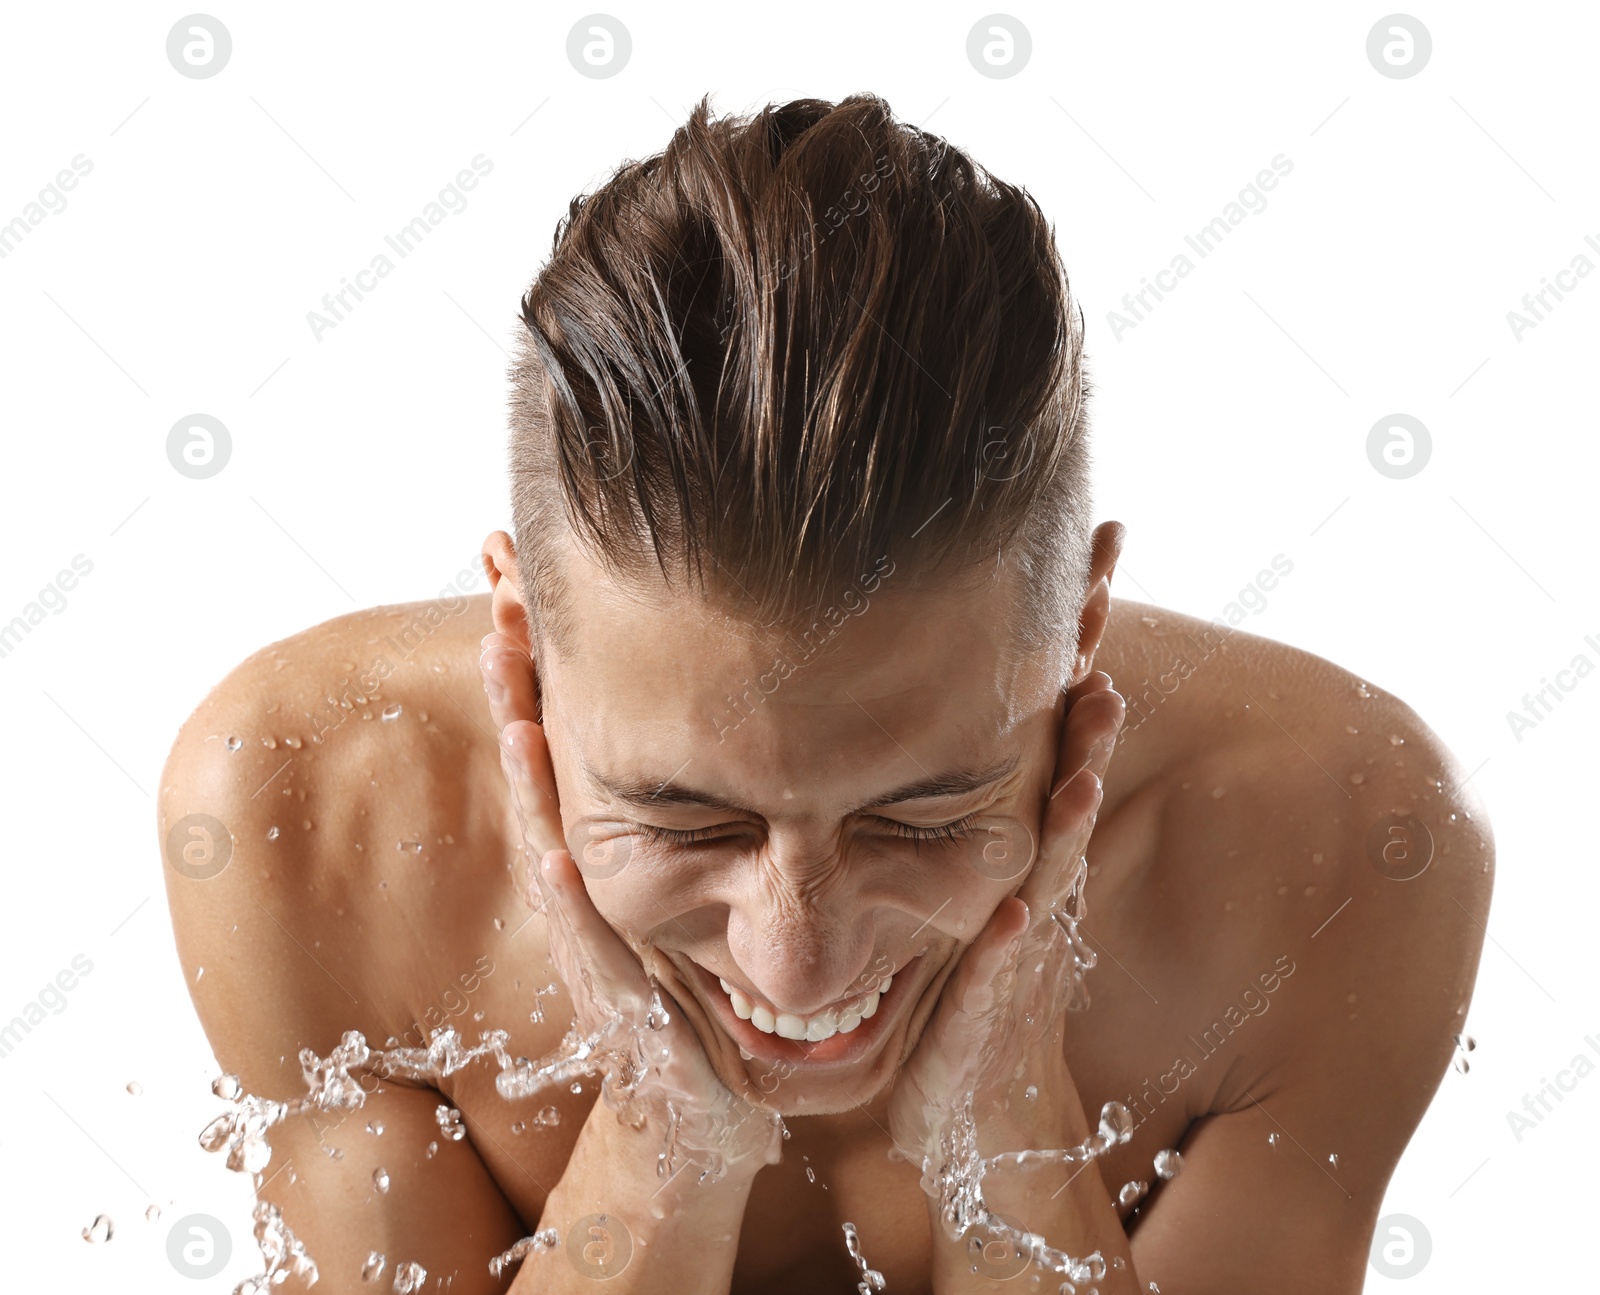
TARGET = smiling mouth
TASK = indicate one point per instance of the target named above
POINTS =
(840, 1019)
(841, 1034)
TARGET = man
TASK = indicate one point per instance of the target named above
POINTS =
(801, 670)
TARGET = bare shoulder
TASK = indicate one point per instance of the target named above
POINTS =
(339, 798)
(1295, 811)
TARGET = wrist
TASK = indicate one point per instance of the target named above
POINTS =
(621, 1215)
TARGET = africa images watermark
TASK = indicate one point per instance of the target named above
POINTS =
(1251, 601)
(1252, 200)
(1537, 1103)
(1537, 707)
(423, 625)
(1567, 280)
(403, 242)
(53, 996)
(811, 641)
(1253, 1001)
(51, 202)
(51, 598)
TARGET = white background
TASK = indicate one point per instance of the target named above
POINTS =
(1231, 425)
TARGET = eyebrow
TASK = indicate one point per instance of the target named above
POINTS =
(645, 793)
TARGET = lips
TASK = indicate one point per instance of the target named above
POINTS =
(839, 1035)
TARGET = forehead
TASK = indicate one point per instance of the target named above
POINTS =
(885, 687)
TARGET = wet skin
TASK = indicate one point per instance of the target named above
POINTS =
(1230, 830)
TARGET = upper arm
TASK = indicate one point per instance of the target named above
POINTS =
(274, 964)
(1363, 1033)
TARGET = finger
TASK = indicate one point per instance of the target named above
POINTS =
(525, 758)
(509, 680)
(1068, 824)
(615, 974)
(979, 989)
(1094, 717)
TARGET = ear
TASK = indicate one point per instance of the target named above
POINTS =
(1106, 548)
(505, 584)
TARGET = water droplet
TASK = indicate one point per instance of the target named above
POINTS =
(1358, 777)
(450, 1123)
(1396, 740)
(1362, 690)
(576, 1086)
(372, 1270)
(380, 1178)
(547, 1118)
(1116, 1122)
(1466, 1042)
(408, 1278)
(1131, 1194)
(271, 743)
(99, 1230)
(293, 743)
(811, 1174)
(413, 847)
(1463, 1065)
(1273, 1139)
(273, 833)
(375, 1127)
(226, 1087)
(517, 1126)
(1169, 1164)
(392, 711)
(134, 1088)
(1217, 793)
(152, 1214)
(499, 924)
(1333, 1159)
(234, 743)
(432, 1151)
(1031, 1092)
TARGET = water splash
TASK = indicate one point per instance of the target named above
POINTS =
(871, 1278)
(957, 1186)
(282, 1251)
(544, 1239)
(1068, 914)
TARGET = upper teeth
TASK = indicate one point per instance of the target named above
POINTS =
(813, 1029)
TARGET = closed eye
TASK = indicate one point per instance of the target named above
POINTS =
(700, 835)
(944, 832)
(675, 836)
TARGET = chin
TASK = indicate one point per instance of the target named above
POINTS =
(797, 1094)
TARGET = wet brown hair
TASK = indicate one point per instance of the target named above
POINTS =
(791, 343)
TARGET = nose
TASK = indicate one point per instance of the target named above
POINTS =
(800, 955)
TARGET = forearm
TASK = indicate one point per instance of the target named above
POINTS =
(618, 1220)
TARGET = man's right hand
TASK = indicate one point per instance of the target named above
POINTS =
(613, 998)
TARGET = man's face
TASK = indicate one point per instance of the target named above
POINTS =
(769, 844)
